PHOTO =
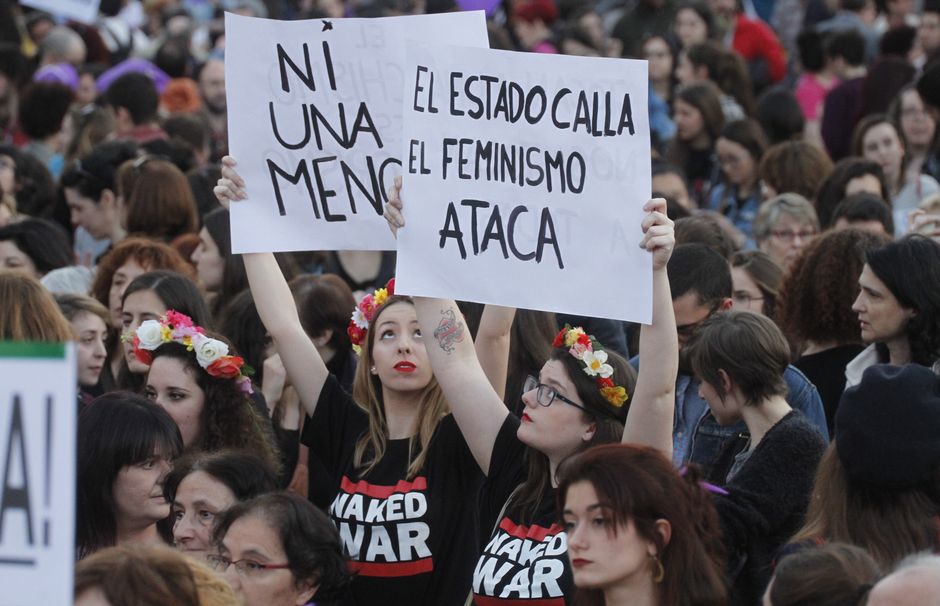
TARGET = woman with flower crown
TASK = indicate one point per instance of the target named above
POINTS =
(404, 484)
(403, 404)
(204, 389)
(579, 399)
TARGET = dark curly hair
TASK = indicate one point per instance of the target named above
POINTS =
(815, 301)
(910, 268)
(228, 419)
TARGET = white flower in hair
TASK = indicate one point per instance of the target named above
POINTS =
(596, 364)
(150, 334)
(208, 350)
(359, 319)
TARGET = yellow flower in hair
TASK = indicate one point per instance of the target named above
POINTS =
(166, 333)
(571, 337)
(380, 297)
(616, 395)
(188, 342)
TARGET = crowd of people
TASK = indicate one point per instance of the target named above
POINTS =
(283, 429)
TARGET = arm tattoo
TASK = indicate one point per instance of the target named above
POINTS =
(449, 332)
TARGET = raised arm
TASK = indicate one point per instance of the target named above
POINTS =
(475, 404)
(276, 306)
(651, 413)
(477, 408)
(492, 345)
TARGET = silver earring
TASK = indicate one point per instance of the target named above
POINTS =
(372, 370)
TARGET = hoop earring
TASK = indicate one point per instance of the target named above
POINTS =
(659, 573)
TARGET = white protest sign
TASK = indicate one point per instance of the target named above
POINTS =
(85, 11)
(314, 115)
(37, 472)
(525, 180)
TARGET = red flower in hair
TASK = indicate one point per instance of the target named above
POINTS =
(390, 287)
(585, 340)
(356, 335)
(559, 338)
(604, 382)
(226, 367)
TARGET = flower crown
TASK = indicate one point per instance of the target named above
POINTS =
(588, 351)
(364, 313)
(211, 354)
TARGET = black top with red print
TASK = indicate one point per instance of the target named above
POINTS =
(412, 541)
(521, 564)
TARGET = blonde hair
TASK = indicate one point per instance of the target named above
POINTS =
(29, 313)
(367, 393)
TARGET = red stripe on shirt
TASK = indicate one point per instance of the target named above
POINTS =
(382, 492)
(392, 569)
(535, 533)
(482, 600)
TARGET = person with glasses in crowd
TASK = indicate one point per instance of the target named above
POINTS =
(580, 398)
(277, 549)
(783, 225)
(756, 279)
(701, 286)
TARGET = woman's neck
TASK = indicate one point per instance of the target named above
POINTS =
(401, 414)
(915, 161)
(700, 141)
(640, 591)
(663, 88)
(814, 347)
(899, 351)
(761, 417)
(360, 265)
(146, 535)
(744, 190)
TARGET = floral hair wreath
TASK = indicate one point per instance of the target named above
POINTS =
(364, 313)
(588, 351)
(211, 354)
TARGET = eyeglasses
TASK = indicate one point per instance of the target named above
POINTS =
(245, 568)
(743, 297)
(789, 235)
(687, 330)
(545, 395)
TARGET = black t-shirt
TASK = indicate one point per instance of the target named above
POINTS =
(412, 541)
(826, 370)
(521, 563)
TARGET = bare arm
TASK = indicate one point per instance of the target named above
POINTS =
(492, 345)
(477, 408)
(276, 306)
(653, 406)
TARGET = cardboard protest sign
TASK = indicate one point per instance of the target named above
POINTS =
(37, 472)
(314, 115)
(525, 179)
(85, 11)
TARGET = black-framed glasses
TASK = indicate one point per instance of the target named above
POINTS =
(245, 568)
(687, 330)
(545, 395)
(745, 298)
